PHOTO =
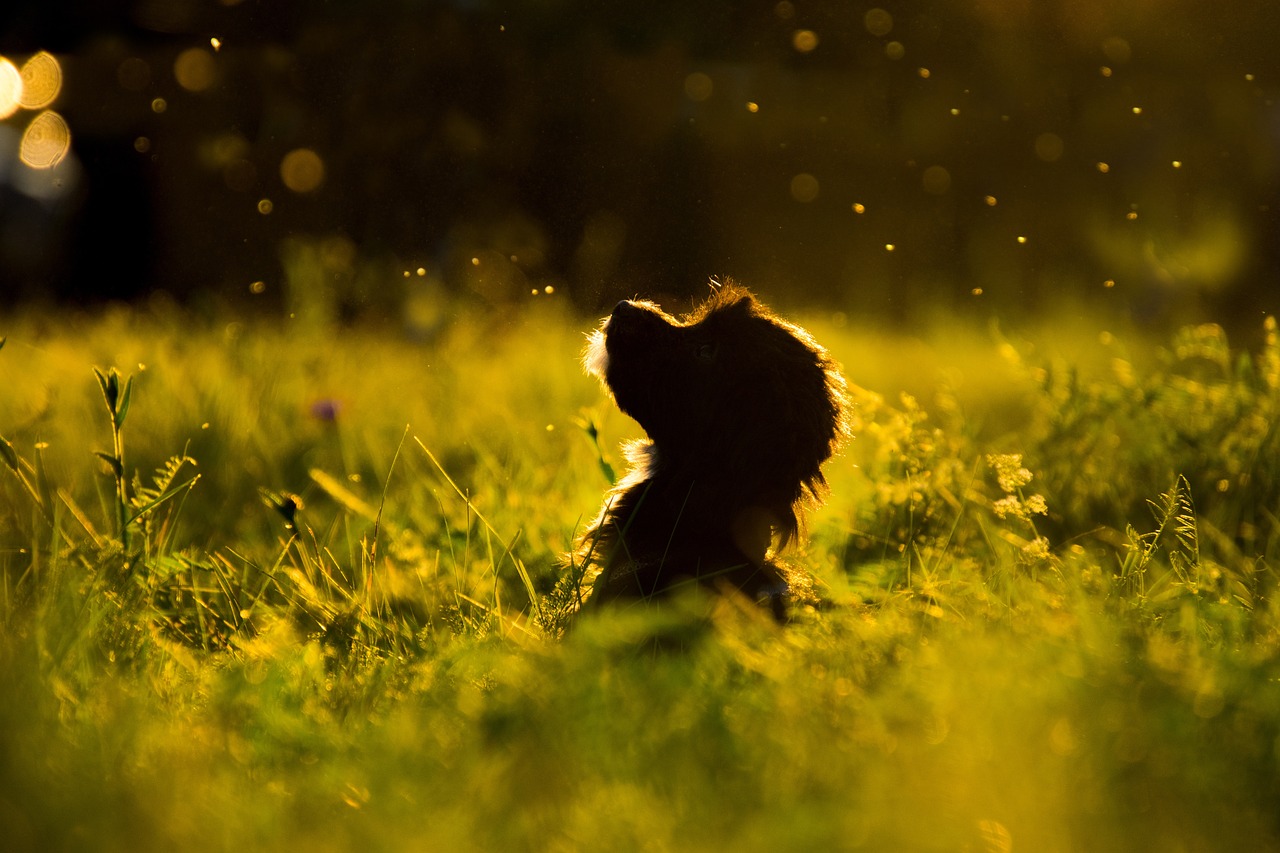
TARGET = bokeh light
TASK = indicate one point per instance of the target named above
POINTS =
(804, 40)
(10, 88)
(195, 70)
(45, 142)
(804, 187)
(1117, 49)
(41, 81)
(1049, 147)
(878, 22)
(698, 86)
(936, 180)
(302, 170)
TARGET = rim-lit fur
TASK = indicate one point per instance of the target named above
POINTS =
(741, 409)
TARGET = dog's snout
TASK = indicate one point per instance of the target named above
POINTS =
(627, 320)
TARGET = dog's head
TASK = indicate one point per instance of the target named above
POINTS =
(739, 399)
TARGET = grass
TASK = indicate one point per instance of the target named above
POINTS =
(244, 606)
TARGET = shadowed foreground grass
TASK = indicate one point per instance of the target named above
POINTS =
(1049, 622)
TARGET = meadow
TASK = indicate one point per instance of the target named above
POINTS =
(279, 585)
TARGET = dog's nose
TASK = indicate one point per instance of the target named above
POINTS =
(624, 307)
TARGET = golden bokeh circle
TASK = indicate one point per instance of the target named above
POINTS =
(302, 170)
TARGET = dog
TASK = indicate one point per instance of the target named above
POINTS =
(741, 409)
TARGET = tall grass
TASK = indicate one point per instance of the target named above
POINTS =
(246, 607)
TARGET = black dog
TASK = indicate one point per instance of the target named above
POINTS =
(741, 409)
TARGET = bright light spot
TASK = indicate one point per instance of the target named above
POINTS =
(698, 86)
(804, 40)
(990, 200)
(878, 22)
(406, 273)
(475, 262)
(785, 10)
(923, 72)
(1111, 282)
(1105, 71)
(41, 81)
(533, 292)
(804, 187)
(10, 88)
(895, 50)
(889, 247)
(142, 145)
(858, 207)
(1177, 164)
(1049, 147)
(1102, 167)
(258, 287)
(1131, 215)
(936, 180)
(753, 107)
(1249, 77)
(45, 141)
(302, 170)
(977, 291)
(1022, 240)
(549, 289)
(1223, 485)
(195, 70)
(955, 111)
(1116, 49)
(159, 105)
(215, 43)
(422, 271)
(133, 74)
(265, 206)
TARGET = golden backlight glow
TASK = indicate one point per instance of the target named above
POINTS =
(41, 81)
(10, 88)
(45, 142)
(302, 170)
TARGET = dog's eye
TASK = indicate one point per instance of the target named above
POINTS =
(705, 352)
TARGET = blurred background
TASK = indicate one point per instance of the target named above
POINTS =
(888, 160)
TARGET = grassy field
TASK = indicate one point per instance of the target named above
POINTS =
(308, 595)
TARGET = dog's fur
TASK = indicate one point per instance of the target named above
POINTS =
(741, 409)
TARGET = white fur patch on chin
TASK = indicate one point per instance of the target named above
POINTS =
(595, 360)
